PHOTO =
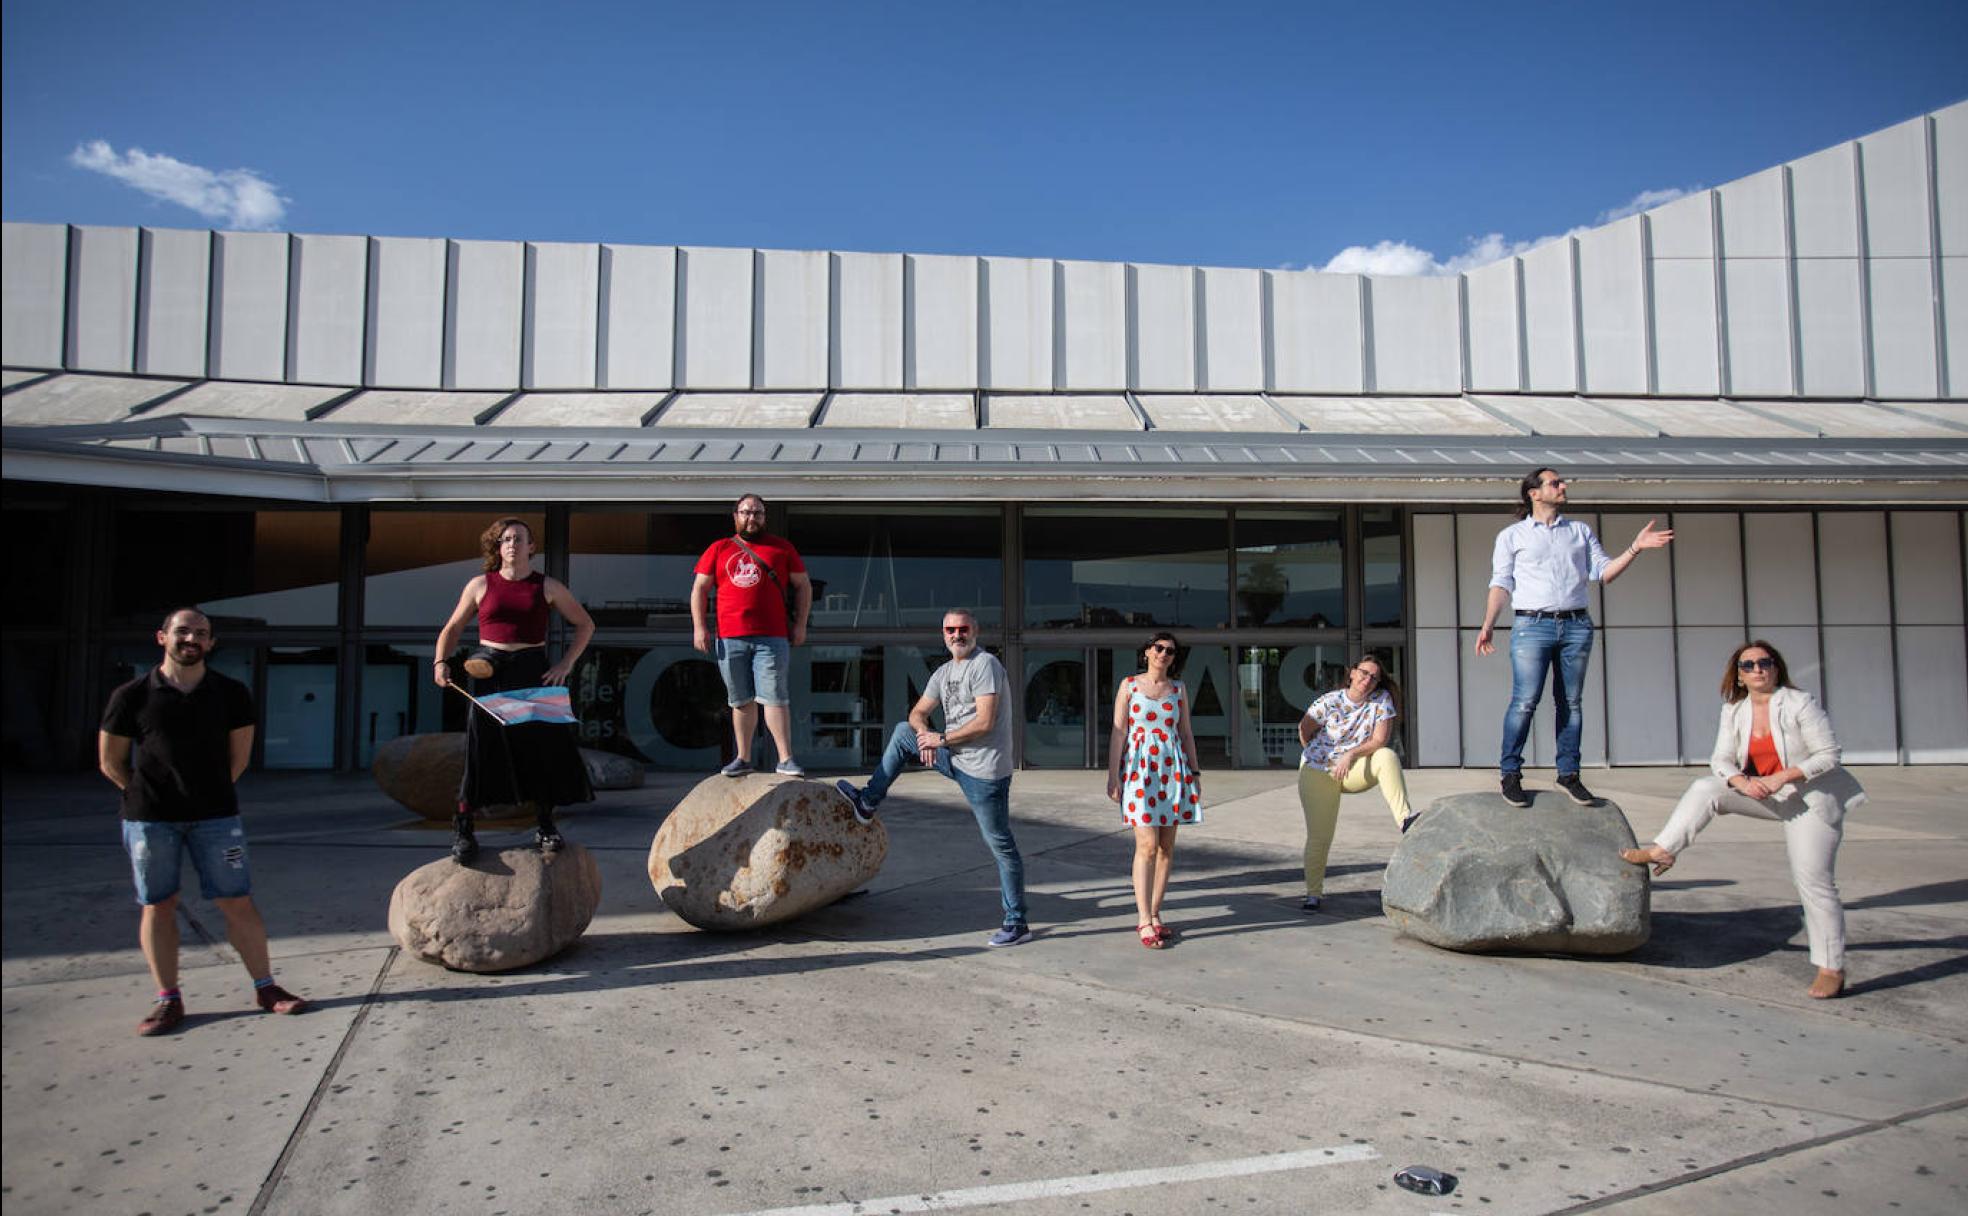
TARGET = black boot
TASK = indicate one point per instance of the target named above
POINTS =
(464, 840)
(547, 835)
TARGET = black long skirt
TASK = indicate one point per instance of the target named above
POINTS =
(542, 757)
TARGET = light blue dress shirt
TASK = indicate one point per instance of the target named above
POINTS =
(1545, 567)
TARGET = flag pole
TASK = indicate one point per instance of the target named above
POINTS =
(505, 744)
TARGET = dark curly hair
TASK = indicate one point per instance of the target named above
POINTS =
(488, 540)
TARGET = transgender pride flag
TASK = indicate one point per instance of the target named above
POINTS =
(521, 705)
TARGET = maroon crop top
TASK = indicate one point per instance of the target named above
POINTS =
(513, 612)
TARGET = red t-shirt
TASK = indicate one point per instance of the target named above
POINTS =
(749, 603)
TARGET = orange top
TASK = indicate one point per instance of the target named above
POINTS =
(1763, 758)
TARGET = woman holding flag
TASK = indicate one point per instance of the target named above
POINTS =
(519, 737)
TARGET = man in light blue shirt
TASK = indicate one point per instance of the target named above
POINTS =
(1541, 567)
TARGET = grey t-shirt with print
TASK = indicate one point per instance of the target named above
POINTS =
(957, 685)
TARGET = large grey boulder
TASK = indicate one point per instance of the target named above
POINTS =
(609, 771)
(751, 852)
(505, 910)
(1476, 873)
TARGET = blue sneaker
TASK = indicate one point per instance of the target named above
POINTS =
(790, 768)
(863, 813)
(737, 768)
(1311, 904)
(1010, 935)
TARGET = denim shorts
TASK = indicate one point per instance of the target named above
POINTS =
(755, 669)
(218, 853)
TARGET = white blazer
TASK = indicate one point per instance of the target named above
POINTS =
(1802, 733)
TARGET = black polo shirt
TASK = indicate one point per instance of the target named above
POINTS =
(181, 754)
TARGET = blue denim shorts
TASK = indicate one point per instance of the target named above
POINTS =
(218, 853)
(755, 669)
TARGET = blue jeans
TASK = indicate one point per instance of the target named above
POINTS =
(990, 802)
(755, 669)
(218, 853)
(1562, 647)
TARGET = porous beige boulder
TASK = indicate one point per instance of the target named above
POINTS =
(761, 849)
(505, 910)
(423, 773)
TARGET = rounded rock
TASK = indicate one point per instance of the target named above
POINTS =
(761, 849)
(505, 910)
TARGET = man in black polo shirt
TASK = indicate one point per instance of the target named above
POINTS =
(174, 741)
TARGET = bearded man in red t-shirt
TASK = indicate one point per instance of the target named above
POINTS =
(754, 574)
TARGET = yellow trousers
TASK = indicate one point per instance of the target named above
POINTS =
(1318, 797)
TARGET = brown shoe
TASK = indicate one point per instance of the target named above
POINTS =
(165, 1016)
(275, 999)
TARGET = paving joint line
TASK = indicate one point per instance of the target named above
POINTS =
(287, 1151)
(1864, 1129)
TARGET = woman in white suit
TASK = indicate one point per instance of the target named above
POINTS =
(1775, 758)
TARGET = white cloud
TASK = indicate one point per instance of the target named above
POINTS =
(1399, 257)
(1646, 200)
(236, 198)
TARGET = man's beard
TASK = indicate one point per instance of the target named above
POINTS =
(750, 528)
(962, 649)
(188, 654)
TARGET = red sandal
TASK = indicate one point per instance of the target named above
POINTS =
(1149, 937)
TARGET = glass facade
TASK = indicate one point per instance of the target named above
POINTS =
(330, 616)
(414, 563)
(246, 569)
(1093, 569)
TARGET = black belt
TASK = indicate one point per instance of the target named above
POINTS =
(1569, 614)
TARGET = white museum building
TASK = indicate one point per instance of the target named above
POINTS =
(305, 434)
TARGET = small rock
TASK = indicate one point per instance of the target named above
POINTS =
(505, 910)
(608, 771)
(750, 852)
(1476, 873)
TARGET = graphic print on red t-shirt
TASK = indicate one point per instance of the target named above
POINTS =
(749, 602)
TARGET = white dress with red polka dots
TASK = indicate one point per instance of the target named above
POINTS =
(1158, 789)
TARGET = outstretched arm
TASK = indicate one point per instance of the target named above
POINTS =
(1649, 538)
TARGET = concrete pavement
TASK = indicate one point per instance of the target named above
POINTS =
(876, 1054)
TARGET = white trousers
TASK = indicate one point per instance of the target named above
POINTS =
(1809, 838)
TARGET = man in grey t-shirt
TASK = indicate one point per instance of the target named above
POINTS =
(973, 749)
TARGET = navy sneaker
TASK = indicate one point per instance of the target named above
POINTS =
(1310, 904)
(737, 768)
(1010, 935)
(863, 812)
(1513, 790)
(1409, 822)
(790, 767)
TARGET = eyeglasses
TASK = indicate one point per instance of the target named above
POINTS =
(1766, 663)
(1371, 675)
(748, 511)
(956, 629)
(1553, 483)
(1161, 648)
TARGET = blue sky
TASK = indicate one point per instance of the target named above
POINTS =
(1219, 134)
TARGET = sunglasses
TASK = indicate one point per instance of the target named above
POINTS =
(1763, 664)
(956, 629)
(1161, 648)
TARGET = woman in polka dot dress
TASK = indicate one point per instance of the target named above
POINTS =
(1152, 775)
